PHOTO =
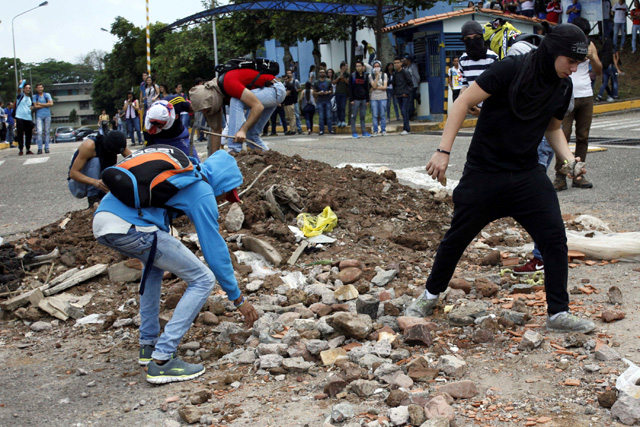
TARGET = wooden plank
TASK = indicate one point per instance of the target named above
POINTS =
(79, 277)
(64, 276)
(296, 254)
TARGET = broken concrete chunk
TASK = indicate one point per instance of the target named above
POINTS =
(121, 272)
(234, 218)
(263, 248)
(383, 277)
(452, 366)
(346, 293)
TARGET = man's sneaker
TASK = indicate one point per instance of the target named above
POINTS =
(531, 267)
(384, 133)
(582, 183)
(46, 150)
(609, 99)
(40, 151)
(376, 134)
(20, 153)
(332, 132)
(145, 355)
(29, 152)
(366, 134)
(598, 98)
(567, 322)
(560, 183)
(173, 370)
(404, 132)
(355, 135)
(421, 307)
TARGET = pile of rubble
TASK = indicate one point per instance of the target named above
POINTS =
(332, 310)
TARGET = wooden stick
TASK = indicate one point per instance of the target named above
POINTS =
(229, 136)
(250, 185)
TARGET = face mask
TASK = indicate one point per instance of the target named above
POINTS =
(475, 48)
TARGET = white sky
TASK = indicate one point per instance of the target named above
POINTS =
(67, 29)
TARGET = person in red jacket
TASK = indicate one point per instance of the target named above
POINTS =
(554, 10)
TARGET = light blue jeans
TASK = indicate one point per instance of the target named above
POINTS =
(43, 126)
(270, 97)
(619, 28)
(324, 113)
(635, 30)
(173, 256)
(545, 156)
(134, 125)
(379, 113)
(81, 190)
(298, 122)
(359, 105)
(184, 118)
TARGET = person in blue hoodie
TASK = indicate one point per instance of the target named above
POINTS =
(136, 233)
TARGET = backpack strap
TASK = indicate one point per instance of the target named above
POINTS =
(254, 81)
(149, 264)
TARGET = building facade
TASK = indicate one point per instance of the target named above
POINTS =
(72, 96)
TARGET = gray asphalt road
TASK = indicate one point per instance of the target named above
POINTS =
(34, 188)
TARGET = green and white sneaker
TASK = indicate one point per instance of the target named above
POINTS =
(172, 371)
(145, 354)
(567, 322)
(421, 306)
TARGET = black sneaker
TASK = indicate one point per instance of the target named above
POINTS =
(46, 150)
(172, 371)
(145, 354)
(40, 151)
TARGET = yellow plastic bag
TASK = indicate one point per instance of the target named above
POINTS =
(316, 225)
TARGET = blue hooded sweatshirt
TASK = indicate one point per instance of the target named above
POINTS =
(198, 202)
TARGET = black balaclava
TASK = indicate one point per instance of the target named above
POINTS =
(537, 81)
(475, 47)
(109, 146)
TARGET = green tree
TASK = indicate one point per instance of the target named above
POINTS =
(73, 116)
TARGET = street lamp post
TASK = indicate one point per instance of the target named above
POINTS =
(15, 63)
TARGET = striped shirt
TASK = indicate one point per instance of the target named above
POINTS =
(470, 69)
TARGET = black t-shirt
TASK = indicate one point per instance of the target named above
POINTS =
(501, 140)
(293, 94)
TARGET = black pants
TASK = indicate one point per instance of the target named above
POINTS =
(24, 133)
(526, 196)
(279, 111)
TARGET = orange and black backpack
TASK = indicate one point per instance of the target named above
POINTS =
(151, 176)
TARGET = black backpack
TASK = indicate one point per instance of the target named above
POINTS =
(261, 65)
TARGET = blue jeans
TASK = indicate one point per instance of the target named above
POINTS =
(616, 29)
(359, 106)
(184, 118)
(297, 113)
(341, 104)
(378, 110)
(324, 113)
(391, 99)
(43, 126)
(134, 124)
(635, 30)
(405, 107)
(173, 256)
(609, 73)
(81, 190)
(270, 97)
(545, 156)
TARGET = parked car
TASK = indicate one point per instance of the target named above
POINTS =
(92, 135)
(65, 134)
(81, 133)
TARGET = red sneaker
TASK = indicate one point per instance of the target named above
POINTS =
(531, 267)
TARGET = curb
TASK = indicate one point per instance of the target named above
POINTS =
(616, 106)
(4, 145)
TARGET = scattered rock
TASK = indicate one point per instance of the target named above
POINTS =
(606, 354)
(363, 388)
(200, 397)
(626, 409)
(482, 335)
(383, 277)
(398, 416)
(191, 345)
(396, 397)
(418, 335)
(349, 263)
(40, 326)
(334, 386)
(437, 422)
(615, 295)
(416, 415)
(316, 346)
(492, 258)
(330, 356)
(346, 293)
(438, 407)
(459, 389)
(485, 287)
(454, 295)
(321, 309)
(607, 398)
(406, 322)
(465, 314)
(461, 284)
(297, 364)
(516, 317)
(398, 379)
(530, 340)
(263, 248)
(342, 412)
(349, 275)
(190, 414)
(121, 272)
(452, 366)
(234, 218)
(351, 324)
(368, 304)
(209, 319)
(269, 361)
(612, 315)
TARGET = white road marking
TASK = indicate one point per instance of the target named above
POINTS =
(36, 160)
(2, 161)
(302, 139)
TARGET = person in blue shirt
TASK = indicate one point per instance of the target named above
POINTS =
(42, 101)
(573, 11)
(134, 233)
(10, 124)
(24, 120)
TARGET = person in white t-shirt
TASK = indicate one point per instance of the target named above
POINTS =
(620, 12)
(526, 8)
(582, 111)
(455, 79)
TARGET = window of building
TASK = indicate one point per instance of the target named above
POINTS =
(85, 105)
